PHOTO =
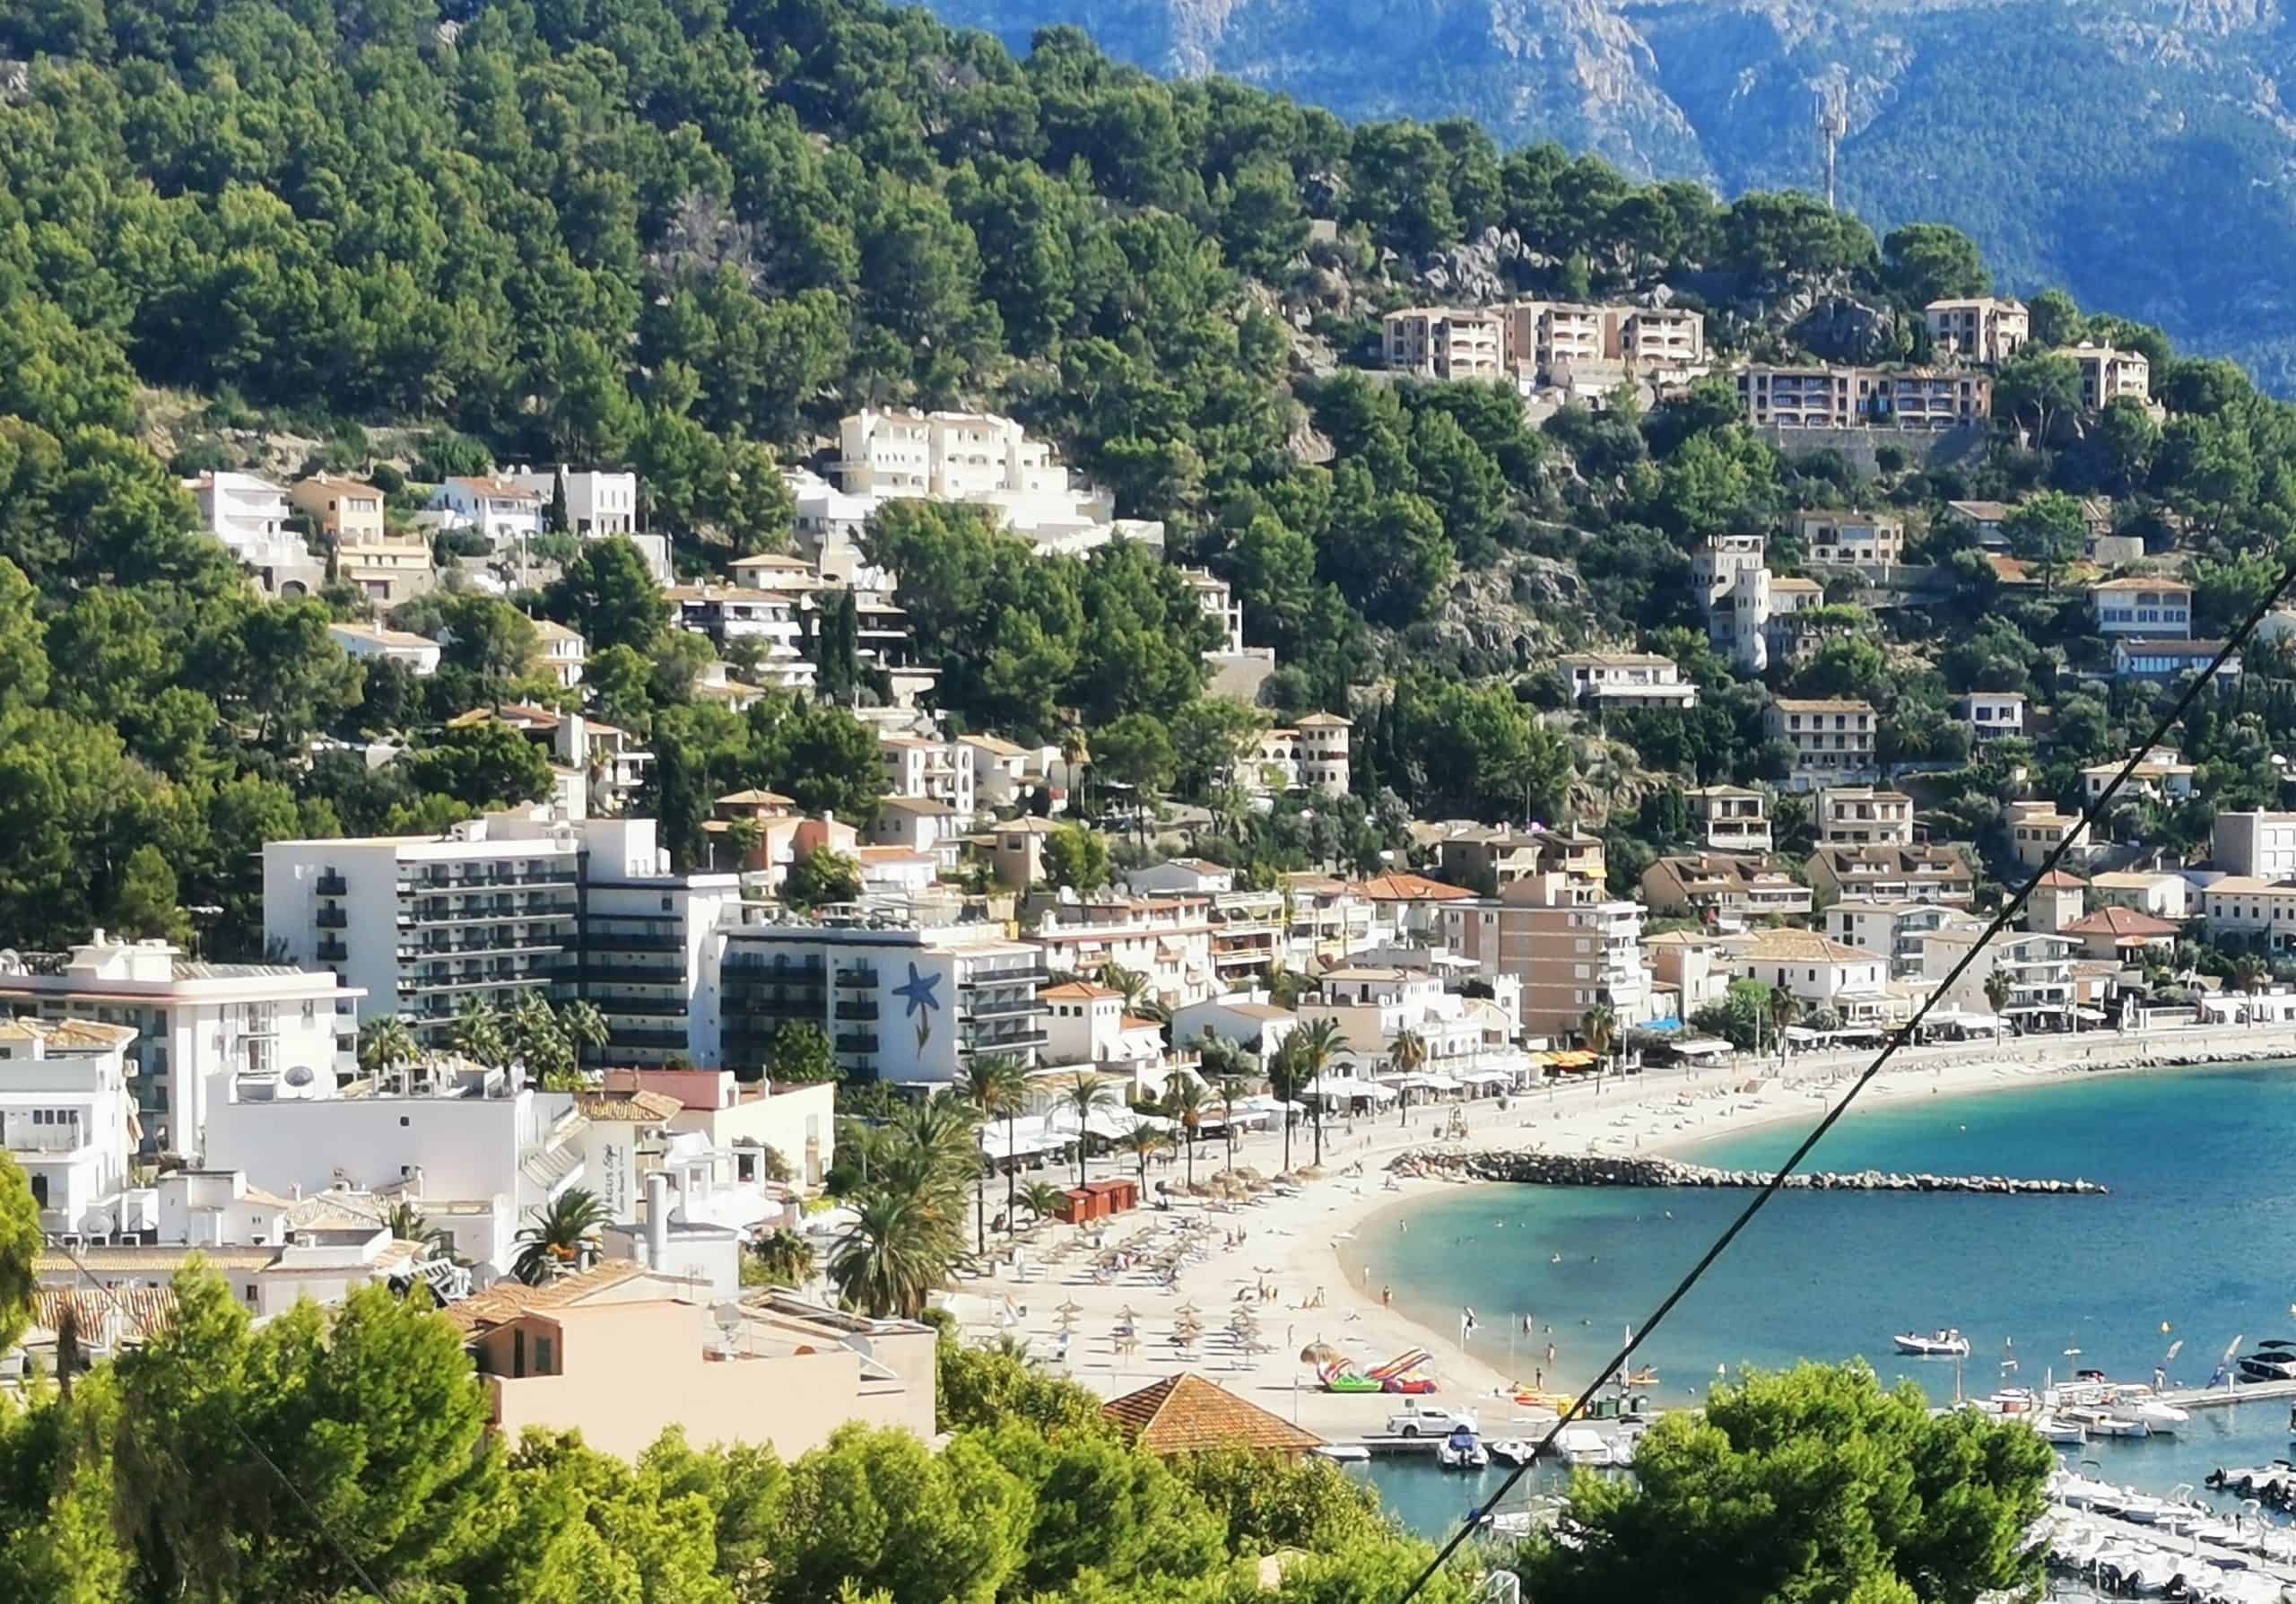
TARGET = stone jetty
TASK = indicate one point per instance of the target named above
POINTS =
(1571, 1169)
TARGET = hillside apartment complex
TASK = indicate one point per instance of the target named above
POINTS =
(1820, 396)
(1545, 342)
(1980, 328)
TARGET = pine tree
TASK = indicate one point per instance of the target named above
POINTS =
(560, 520)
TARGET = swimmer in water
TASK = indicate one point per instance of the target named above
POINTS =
(1556, 1259)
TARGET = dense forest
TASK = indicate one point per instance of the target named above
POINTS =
(687, 236)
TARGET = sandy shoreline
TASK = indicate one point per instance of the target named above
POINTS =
(1296, 1271)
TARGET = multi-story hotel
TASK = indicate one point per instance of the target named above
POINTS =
(1730, 818)
(1851, 539)
(2106, 373)
(1858, 816)
(1572, 948)
(1819, 396)
(1980, 328)
(1830, 737)
(1168, 939)
(1439, 342)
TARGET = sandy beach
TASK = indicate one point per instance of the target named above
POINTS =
(1288, 1259)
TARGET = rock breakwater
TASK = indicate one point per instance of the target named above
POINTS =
(1572, 1169)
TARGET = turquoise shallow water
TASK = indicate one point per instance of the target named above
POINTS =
(2196, 1233)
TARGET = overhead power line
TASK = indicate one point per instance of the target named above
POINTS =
(1637, 1336)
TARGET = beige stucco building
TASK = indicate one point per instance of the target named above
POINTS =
(1447, 342)
(1572, 948)
(1978, 328)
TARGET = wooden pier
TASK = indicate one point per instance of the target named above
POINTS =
(2217, 1398)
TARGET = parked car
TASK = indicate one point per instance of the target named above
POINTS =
(1430, 1420)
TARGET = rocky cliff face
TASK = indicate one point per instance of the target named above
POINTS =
(2082, 142)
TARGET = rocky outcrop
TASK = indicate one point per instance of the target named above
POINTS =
(1575, 1169)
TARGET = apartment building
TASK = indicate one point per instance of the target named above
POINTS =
(1728, 890)
(945, 456)
(928, 770)
(597, 503)
(1663, 340)
(902, 1003)
(1805, 396)
(502, 510)
(1858, 816)
(1824, 396)
(2126, 936)
(1571, 947)
(1497, 856)
(2253, 905)
(649, 944)
(373, 643)
(1248, 938)
(197, 1030)
(1981, 328)
(1861, 540)
(2036, 966)
(348, 511)
(773, 618)
(419, 924)
(2152, 607)
(1823, 974)
(1213, 595)
(386, 572)
(1995, 715)
(1330, 918)
(925, 826)
(1439, 341)
(1892, 874)
(67, 1118)
(1627, 679)
(2036, 830)
(605, 762)
(1895, 930)
(2107, 374)
(1831, 738)
(2256, 845)
(2156, 892)
(2161, 775)
(1730, 818)
(1167, 939)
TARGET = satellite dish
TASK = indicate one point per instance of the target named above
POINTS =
(729, 1317)
(298, 1075)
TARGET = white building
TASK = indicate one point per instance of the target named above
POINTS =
(1859, 815)
(1219, 605)
(2258, 844)
(369, 642)
(2036, 829)
(901, 1003)
(1627, 679)
(471, 1152)
(561, 652)
(1820, 973)
(1193, 876)
(597, 503)
(2147, 607)
(2037, 965)
(2161, 775)
(2156, 892)
(728, 613)
(917, 767)
(1168, 939)
(246, 512)
(66, 1117)
(1831, 738)
(1246, 1018)
(1732, 818)
(199, 1030)
(1313, 755)
(502, 510)
(1978, 328)
(1995, 715)
(1895, 930)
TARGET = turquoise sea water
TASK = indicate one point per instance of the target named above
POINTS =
(2196, 1233)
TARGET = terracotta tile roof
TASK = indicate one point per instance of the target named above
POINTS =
(1411, 888)
(1076, 991)
(147, 1309)
(636, 1108)
(2058, 880)
(2125, 922)
(1185, 1413)
(507, 1300)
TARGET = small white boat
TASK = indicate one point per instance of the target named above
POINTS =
(1514, 1451)
(2068, 1432)
(1583, 1446)
(2161, 1419)
(1461, 1451)
(1346, 1453)
(1943, 1345)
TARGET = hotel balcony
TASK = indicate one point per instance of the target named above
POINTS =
(629, 941)
(334, 919)
(334, 952)
(672, 1040)
(332, 884)
(982, 1008)
(857, 1041)
(859, 976)
(855, 1008)
(630, 1003)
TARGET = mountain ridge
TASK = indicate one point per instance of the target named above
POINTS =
(2160, 123)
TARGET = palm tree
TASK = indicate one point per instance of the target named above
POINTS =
(1043, 1199)
(890, 1259)
(1996, 991)
(1784, 1006)
(1086, 1094)
(384, 1045)
(1143, 1141)
(1599, 1029)
(1283, 1079)
(1233, 1089)
(407, 1225)
(934, 1149)
(1134, 984)
(785, 1257)
(1406, 1058)
(2251, 974)
(479, 1035)
(997, 1085)
(1319, 1043)
(562, 1238)
(584, 1026)
(1185, 1100)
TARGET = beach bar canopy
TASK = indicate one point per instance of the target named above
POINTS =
(1961, 1019)
(1699, 1047)
(1346, 1091)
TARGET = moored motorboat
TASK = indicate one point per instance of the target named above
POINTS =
(2065, 1433)
(1513, 1450)
(1462, 1452)
(1948, 1343)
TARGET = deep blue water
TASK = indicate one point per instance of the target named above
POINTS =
(2195, 1234)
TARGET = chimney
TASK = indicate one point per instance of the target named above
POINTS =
(658, 1220)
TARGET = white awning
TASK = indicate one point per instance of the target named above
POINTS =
(1347, 1091)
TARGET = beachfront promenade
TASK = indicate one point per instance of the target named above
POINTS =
(1289, 1259)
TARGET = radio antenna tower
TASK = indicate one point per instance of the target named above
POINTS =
(1833, 122)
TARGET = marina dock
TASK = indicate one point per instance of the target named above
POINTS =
(2217, 1398)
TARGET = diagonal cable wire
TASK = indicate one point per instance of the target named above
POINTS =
(318, 1521)
(1769, 1189)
